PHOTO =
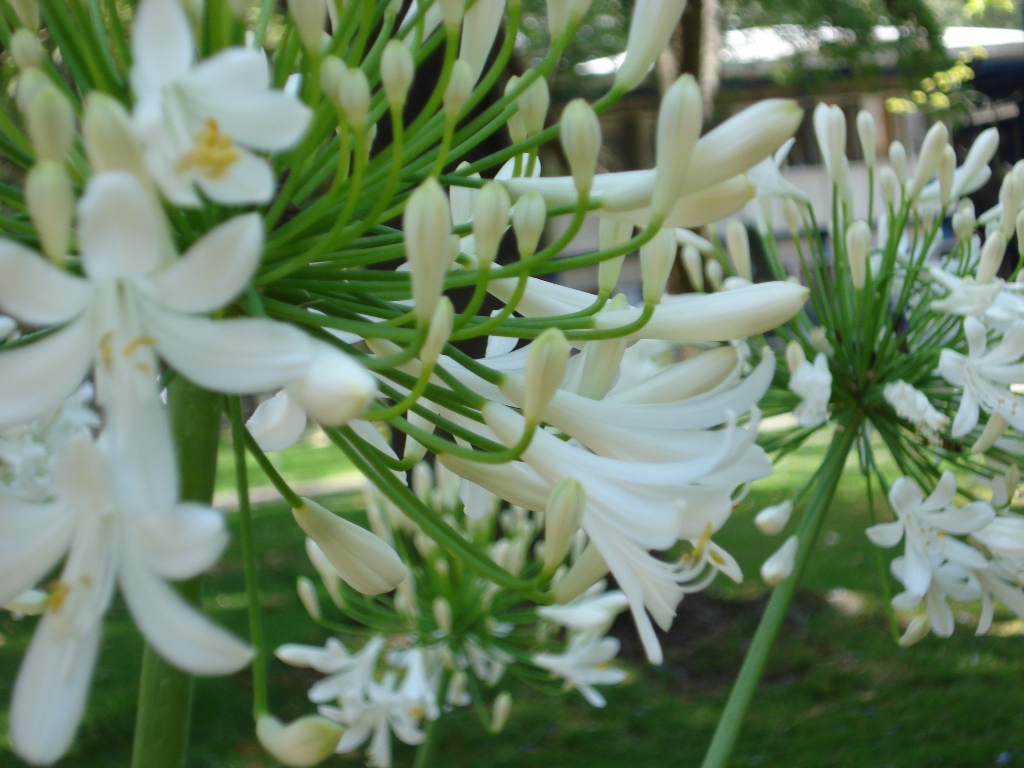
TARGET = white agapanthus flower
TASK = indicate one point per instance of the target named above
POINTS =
(927, 525)
(948, 580)
(913, 405)
(985, 374)
(813, 383)
(119, 526)
(965, 296)
(584, 664)
(348, 674)
(199, 121)
(595, 609)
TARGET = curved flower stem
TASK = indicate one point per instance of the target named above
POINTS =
(165, 692)
(825, 482)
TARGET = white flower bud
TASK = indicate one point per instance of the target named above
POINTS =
(562, 519)
(29, 84)
(581, 142)
(917, 631)
(779, 566)
(715, 274)
(51, 204)
(657, 256)
(51, 124)
(27, 12)
(563, 13)
(858, 245)
(795, 356)
(975, 170)
(947, 167)
(326, 571)
(995, 428)
(414, 451)
(819, 341)
(964, 221)
(396, 72)
(545, 368)
(991, 257)
(26, 50)
(308, 597)
(422, 482)
(650, 27)
(611, 233)
(336, 387)
(490, 220)
(332, 74)
(500, 712)
(533, 106)
(277, 423)
(1011, 194)
(442, 610)
(310, 18)
(365, 562)
(791, 213)
(928, 158)
(516, 125)
(428, 228)
(888, 186)
(836, 137)
(300, 744)
(866, 133)
(585, 573)
(354, 96)
(898, 160)
(693, 262)
(679, 123)
(460, 87)
(529, 216)
(452, 12)
(771, 520)
(457, 695)
(739, 248)
(110, 143)
(440, 330)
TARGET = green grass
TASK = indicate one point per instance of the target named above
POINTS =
(838, 691)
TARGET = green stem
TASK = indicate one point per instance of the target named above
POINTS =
(165, 692)
(825, 481)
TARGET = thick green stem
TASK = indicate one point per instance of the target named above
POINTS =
(825, 482)
(165, 692)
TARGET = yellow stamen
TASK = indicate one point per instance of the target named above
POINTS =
(107, 349)
(212, 152)
(139, 341)
(58, 594)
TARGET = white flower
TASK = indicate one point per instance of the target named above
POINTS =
(813, 383)
(197, 122)
(700, 567)
(277, 423)
(927, 524)
(913, 405)
(382, 711)
(595, 609)
(965, 296)
(948, 580)
(981, 372)
(584, 664)
(420, 682)
(114, 532)
(348, 674)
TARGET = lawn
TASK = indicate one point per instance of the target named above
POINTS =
(838, 691)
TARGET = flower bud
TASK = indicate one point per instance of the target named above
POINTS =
(452, 12)
(771, 520)
(29, 84)
(714, 273)
(739, 248)
(533, 106)
(336, 387)
(581, 142)
(791, 213)
(779, 566)
(500, 712)
(975, 170)
(427, 225)
(308, 597)
(947, 167)
(414, 451)
(443, 615)
(27, 12)
(354, 97)
(611, 233)
(422, 482)
(440, 330)
(866, 134)
(277, 423)
(51, 204)
(991, 257)
(819, 341)
(332, 73)
(795, 356)
(529, 216)
(325, 570)
(995, 428)
(1011, 194)
(679, 123)
(964, 221)
(585, 573)
(656, 259)
(516, 124)
(310, 18)
(898, 161)
(51, 124)
(26, 50)
(300, 744)
(365, 562)
(457, 695)
(650, 27)
(928, 158)
(460, 86)
(693, 262)
(396, 72)
(917, 631)
(858, 245)
(545, 368)
(490, 220)
(110, 143)
(888, 186)
(562, 519)
(836, 133)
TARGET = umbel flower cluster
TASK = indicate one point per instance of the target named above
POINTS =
(214, 201)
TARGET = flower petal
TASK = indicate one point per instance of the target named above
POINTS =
(886, 534)
(119, 229)
(249, 179)
(38, 377)
(177, 630)
(942, 496)
(939, 613)
(239, 356)
(905, 496)
(182, 542)
(162, 47)
(33, 537)
(215, 269)
(35, 291)
(277, 423)
(50, 692)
